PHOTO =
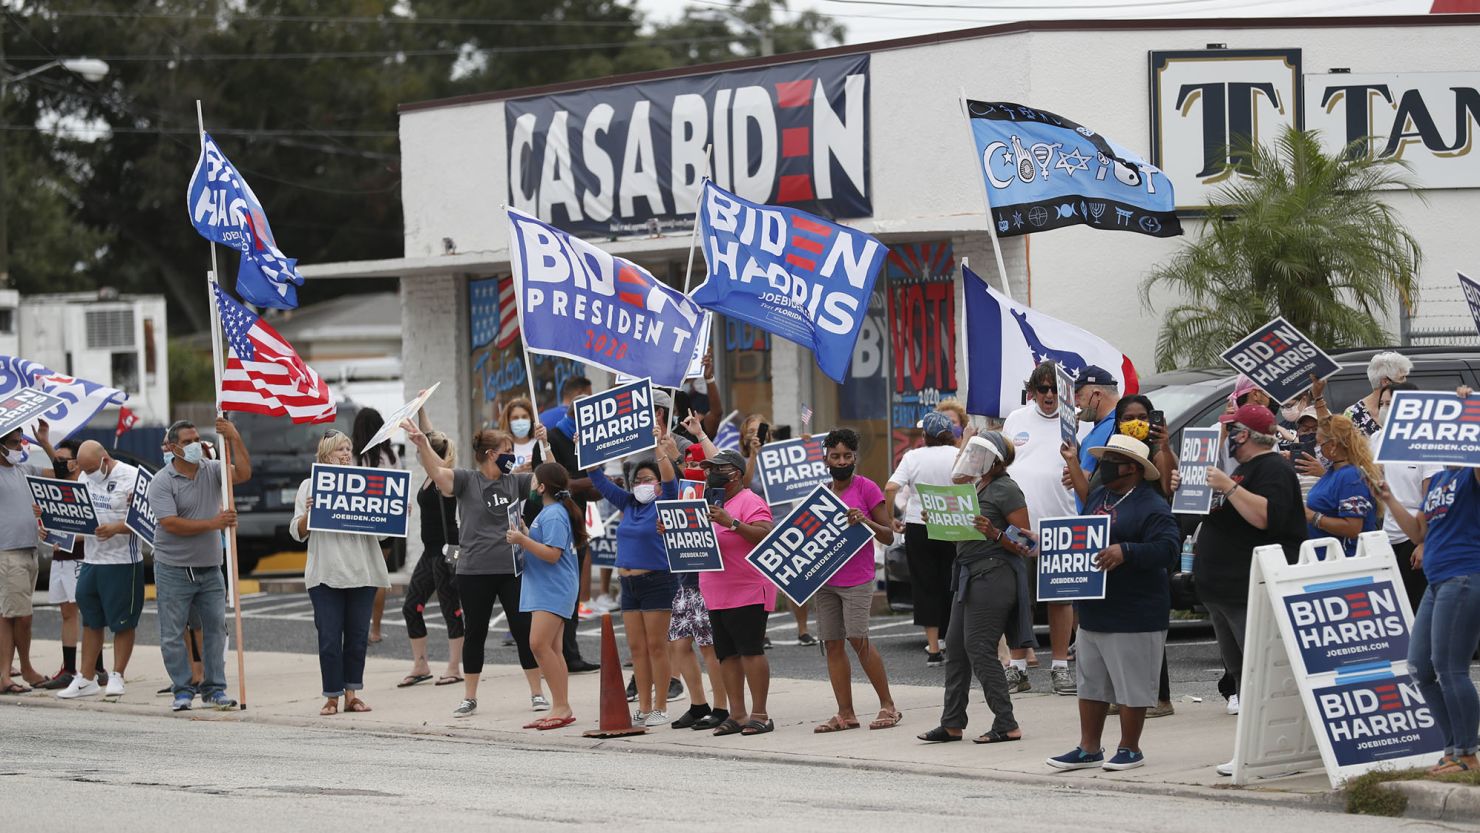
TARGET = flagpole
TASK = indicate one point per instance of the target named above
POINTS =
(987, 199)
(534, 399)
(688, 270)
(227, 498)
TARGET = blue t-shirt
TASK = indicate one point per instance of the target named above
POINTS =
(1097, 436)
(546, 586)
(1342, 493)
(639, 547)
(550, 417)
(1451, 546)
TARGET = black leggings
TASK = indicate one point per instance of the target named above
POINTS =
(478, 595)
(432, 574)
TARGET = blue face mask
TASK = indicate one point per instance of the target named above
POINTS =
(193, 453)
(520, 427)
(169, 457)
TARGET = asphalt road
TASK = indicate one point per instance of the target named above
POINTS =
(131, 773)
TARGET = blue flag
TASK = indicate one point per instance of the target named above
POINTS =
(223, 209)
(579, 302)
(788, 272)
(1044, 172)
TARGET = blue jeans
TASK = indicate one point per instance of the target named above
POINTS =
(1445, 632)
(184, 595)
(342, 617)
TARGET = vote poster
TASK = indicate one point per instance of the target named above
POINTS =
(24, 407)
(66, 506)
(604, 551)
(614, 423)
(62, 541)
(688, 537)
(691, 490)
(950, 512)
(1067, 547)
(807, 547)
(1348, 624)
(140, 517)
(1199, 451)
(790, 469)
(359, 501)
(1376, 717)
(1431, 427)
(1068, 419)
(394, 419)
(1279, 359)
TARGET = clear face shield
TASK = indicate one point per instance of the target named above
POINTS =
(975, 460)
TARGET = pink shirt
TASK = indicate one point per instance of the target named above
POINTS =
(864, 494)
(739, 584)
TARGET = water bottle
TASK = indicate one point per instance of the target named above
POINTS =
(1187, 554)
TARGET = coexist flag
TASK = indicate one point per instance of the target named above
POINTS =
(223, 209)
(1005, 340)
(264, 374)
(788, 272)
(1044, 172)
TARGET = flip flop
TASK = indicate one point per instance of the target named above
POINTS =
(15, 688)
(887, 719)
(755, 727)
(834, 724)
(357, 706)
(938, 735)
(446, 680)
(329, 709)
(995, 736)
(729, 727)
(549, 723)
(413, 679)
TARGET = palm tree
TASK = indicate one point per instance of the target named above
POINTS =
(1303, 234)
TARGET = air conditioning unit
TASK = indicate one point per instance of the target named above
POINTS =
(109, 329)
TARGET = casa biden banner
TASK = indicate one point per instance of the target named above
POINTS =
(1279, 359)
(361, 501)
(808, 546)
(65, 505)
(629, 159)
(1431, 427)
(578, 302)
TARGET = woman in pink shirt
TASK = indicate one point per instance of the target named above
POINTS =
(843, 602)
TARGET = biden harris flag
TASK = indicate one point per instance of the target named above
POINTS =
(579, 302)
(788, 272)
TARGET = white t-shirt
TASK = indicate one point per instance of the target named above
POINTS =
(1038, 468)
(1406, 482)
(111, 501)
(929, 465)
(524, 452)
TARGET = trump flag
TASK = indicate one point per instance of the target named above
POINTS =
(579, 302)
(81, 399)
(1005, 340)
(788, 272)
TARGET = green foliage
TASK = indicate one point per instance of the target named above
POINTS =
(1304, 234)
(192, 379)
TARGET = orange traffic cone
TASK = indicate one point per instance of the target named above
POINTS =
(615, 720)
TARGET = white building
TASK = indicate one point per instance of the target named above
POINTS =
(104, 337)
(877, 131)
(10, 337)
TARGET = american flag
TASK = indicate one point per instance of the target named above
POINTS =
(264, 374)
(806, 415)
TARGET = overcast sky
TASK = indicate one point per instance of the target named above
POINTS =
(869, 20)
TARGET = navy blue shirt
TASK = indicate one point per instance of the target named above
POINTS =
(1137, 597)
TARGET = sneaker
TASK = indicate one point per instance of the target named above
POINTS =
(219, 701)
(1232, 707)
(63, 679)
(582, 667)
(509, 639)
(807, 639)
(656, 718)
(605, 603)
(79, 687)
(675, 690)
(632, 689)
(639, 718)
(467, 707)
(692, 716)
(584, 612)
(169, 689)
(1125, 759)
(115, 685)
(1063, 681)
(935, 660)
(1161, 710)
(1017, 680)
(1078, 759)
(1225, 769)
(182, 702)
(1115, 709)
(537, 703)
(766, 643)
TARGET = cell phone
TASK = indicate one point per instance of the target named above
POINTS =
(1157, 418)
(764, 432)
(714, 497)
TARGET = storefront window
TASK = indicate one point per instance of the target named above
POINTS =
(497, 356)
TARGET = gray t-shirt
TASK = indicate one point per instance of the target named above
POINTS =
(998, 499)
(172, 494)
(483, 520)
(17, 513)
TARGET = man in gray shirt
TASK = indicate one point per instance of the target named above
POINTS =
(18, 564)
(185, 497)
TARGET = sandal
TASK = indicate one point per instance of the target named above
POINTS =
(447, 680)
(887, 719)
(1455, 765)
(938, 735)
(729, 727)
(756, 727)
(329, 709)
(995, 736)
(413, 679)
(357, 705)
(835, 724)
(547, 723)
(707, 722)
(15, 688)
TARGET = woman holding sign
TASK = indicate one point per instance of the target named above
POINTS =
(930, 561)
(343, 574)
(1341, 504)
(434, 571)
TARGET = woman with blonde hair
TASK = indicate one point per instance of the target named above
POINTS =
(1343, 502)
(343, 574)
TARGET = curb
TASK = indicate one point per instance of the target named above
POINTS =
(1330, 801)
(1438, 800)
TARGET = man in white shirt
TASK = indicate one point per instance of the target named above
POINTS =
(1039, 471)
(110, 589)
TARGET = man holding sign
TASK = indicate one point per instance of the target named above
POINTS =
(18, 562)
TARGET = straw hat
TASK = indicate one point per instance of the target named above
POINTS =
(1128, 447)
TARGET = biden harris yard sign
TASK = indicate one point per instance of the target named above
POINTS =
(1431, 427)
(1066, 557)
(688, 537)
(808, 546)
(65, 505)
(1279, 359)
(361, 501)
(790, 469)
(614, 423)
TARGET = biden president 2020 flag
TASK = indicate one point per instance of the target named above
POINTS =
(1044, 172)
(1005, 340)
(579, 302)
(788, 272)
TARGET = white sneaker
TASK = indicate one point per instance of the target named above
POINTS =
(605, 603)
(538, 703)
(656, 718)
(1232, 708)
(1225, 769)
(115, 685)
(80, 687)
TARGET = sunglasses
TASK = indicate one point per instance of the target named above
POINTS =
(1046, 388)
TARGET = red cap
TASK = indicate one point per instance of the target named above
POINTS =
(1256, 418)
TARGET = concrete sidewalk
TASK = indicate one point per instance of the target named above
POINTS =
(1181, 750)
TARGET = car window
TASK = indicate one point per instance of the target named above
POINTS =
(1345, 388)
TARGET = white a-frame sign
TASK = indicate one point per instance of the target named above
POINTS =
(1325, 678)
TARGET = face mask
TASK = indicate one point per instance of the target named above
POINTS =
(841, 473)
(1088, 412)
(193, 453)
(1233, 446)
(97, 478)
(1113, 470)
(60, 467)
(505, 462)
(1290, 412)
(169, 457)
(645, 492)
(716, 480)
(957, 431)
(16, 456)
(520, 427)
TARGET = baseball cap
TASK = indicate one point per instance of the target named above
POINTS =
(1256, 418)
(726, 458)
(936, 423)
(1093, 374)
(661, 399)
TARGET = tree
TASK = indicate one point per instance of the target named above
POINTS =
(1303, 234)
(708, 34)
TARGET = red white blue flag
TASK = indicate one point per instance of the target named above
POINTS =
(264, 374)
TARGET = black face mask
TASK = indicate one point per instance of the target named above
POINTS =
(505, 462)
(716, 480)
(1113, 470)
(60, 467)
(841, 473)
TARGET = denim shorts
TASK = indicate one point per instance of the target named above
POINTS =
(648, 591)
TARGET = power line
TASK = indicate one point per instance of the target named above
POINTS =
(407, 21)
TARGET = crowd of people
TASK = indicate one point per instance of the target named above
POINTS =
(509, 529)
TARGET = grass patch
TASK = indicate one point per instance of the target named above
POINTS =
(1365, 795)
